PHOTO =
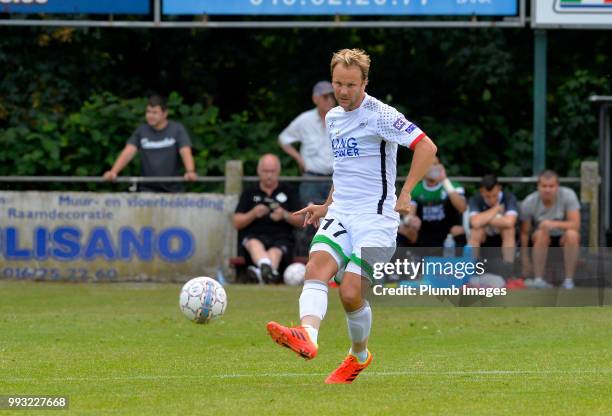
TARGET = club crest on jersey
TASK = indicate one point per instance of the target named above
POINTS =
(400, 123)
(281, 197)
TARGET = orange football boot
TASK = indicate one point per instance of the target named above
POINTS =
(295, 338)
(348, 370)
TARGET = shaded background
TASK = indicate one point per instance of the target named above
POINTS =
(69, 98)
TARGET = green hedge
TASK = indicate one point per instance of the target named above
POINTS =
(86, 143)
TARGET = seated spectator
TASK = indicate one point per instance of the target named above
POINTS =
(493, 215)
(408, 231)
(439, 204)
(550, 217)
(263, 217)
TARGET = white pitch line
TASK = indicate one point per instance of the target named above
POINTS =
(287, 375)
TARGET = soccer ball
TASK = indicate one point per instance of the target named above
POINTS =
(487, 280)
(294, 274)
(202, 299)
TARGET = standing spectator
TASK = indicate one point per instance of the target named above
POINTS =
(162, 144)
(263, 217)
(493, 215)
(553, 213)
(439, 203)
(315, 156)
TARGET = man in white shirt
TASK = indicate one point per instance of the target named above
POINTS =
(315, 156)
(361, 211)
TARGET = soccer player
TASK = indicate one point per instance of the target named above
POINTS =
(362, 209)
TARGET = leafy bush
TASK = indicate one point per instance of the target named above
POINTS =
(87, 142)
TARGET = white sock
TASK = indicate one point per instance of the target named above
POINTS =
(313, 300)
(361, 356)
(265, 260)
(359, 323)
(312, 333)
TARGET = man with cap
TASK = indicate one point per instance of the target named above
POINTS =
(315, 158)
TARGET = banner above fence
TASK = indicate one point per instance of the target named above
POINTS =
(572, 13)
(75, 6)
(343, 7)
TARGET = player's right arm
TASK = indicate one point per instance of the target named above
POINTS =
(126, 155)
(314, 213)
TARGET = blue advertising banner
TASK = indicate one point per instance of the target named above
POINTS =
(87, 236)
(343, 7)
(75, 6)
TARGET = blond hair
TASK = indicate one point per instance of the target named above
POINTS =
(349, 57)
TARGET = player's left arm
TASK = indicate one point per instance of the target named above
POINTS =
(423, 157)
(293, 220)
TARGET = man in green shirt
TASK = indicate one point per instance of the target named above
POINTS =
(439, 204)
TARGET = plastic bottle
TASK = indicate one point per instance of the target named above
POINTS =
(449, 246)
(468, 251)
(221, 276)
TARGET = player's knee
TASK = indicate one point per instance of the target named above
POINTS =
(477, 236)
(275, 251)
(572, 237)
(252, 244)
(507, 231)
(541, 237)
(320, 266)
(351, 298)
(508, 236)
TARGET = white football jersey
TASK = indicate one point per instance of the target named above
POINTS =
(364, 143)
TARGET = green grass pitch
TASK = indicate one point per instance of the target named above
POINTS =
(126, 349)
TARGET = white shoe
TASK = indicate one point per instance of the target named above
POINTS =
(568, 284)
(539, 283)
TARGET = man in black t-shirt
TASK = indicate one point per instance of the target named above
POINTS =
(493, 215)
(264, 221)
(162, 145)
